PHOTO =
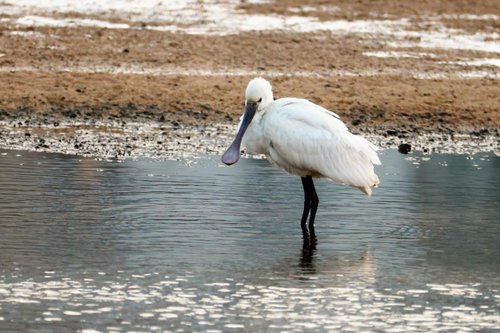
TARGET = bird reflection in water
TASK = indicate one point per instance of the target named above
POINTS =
(356, 265)
(308, 249)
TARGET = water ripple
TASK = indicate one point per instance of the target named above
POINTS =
(164, 245)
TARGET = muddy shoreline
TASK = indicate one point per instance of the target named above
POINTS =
(104, 82)
(148, 137)
(125, 116)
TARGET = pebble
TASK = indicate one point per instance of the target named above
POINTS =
(404, 148)
(116, 139)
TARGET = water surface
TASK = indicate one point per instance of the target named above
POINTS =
(194, 246)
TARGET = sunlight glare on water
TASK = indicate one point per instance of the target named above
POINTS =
(195, 246)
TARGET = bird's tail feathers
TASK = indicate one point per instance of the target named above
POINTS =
(367, 153)
(366, 190)
(369, 149)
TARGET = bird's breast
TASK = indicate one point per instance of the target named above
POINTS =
(254, 140)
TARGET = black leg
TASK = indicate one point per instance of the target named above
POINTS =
(314, 208)
(309, 238)
(307, 204)
(311, 202)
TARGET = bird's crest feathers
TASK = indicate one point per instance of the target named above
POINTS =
(259, 88)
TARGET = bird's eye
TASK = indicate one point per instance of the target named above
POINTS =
(260, 100)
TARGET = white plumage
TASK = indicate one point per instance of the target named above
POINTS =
(303, 139)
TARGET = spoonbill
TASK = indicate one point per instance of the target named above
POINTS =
(304, 139)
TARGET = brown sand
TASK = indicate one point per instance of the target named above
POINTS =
(390, 100)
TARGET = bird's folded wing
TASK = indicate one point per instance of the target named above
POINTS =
(303, 137)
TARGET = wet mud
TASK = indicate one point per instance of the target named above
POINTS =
(393, 85)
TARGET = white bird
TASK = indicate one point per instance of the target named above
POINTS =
(303, 139)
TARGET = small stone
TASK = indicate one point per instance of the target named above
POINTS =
(392, 132)
(356, 122)
(404, 148)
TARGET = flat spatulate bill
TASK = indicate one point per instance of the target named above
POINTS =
(232, 154)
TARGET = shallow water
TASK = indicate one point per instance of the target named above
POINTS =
(193, 246)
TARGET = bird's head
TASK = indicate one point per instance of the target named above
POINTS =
(258, 95)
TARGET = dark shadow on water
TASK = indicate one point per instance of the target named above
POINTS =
(308, 251)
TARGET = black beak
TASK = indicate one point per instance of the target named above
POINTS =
(232, 154)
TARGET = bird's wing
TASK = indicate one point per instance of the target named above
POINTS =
(291, 104)
(306, 139)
